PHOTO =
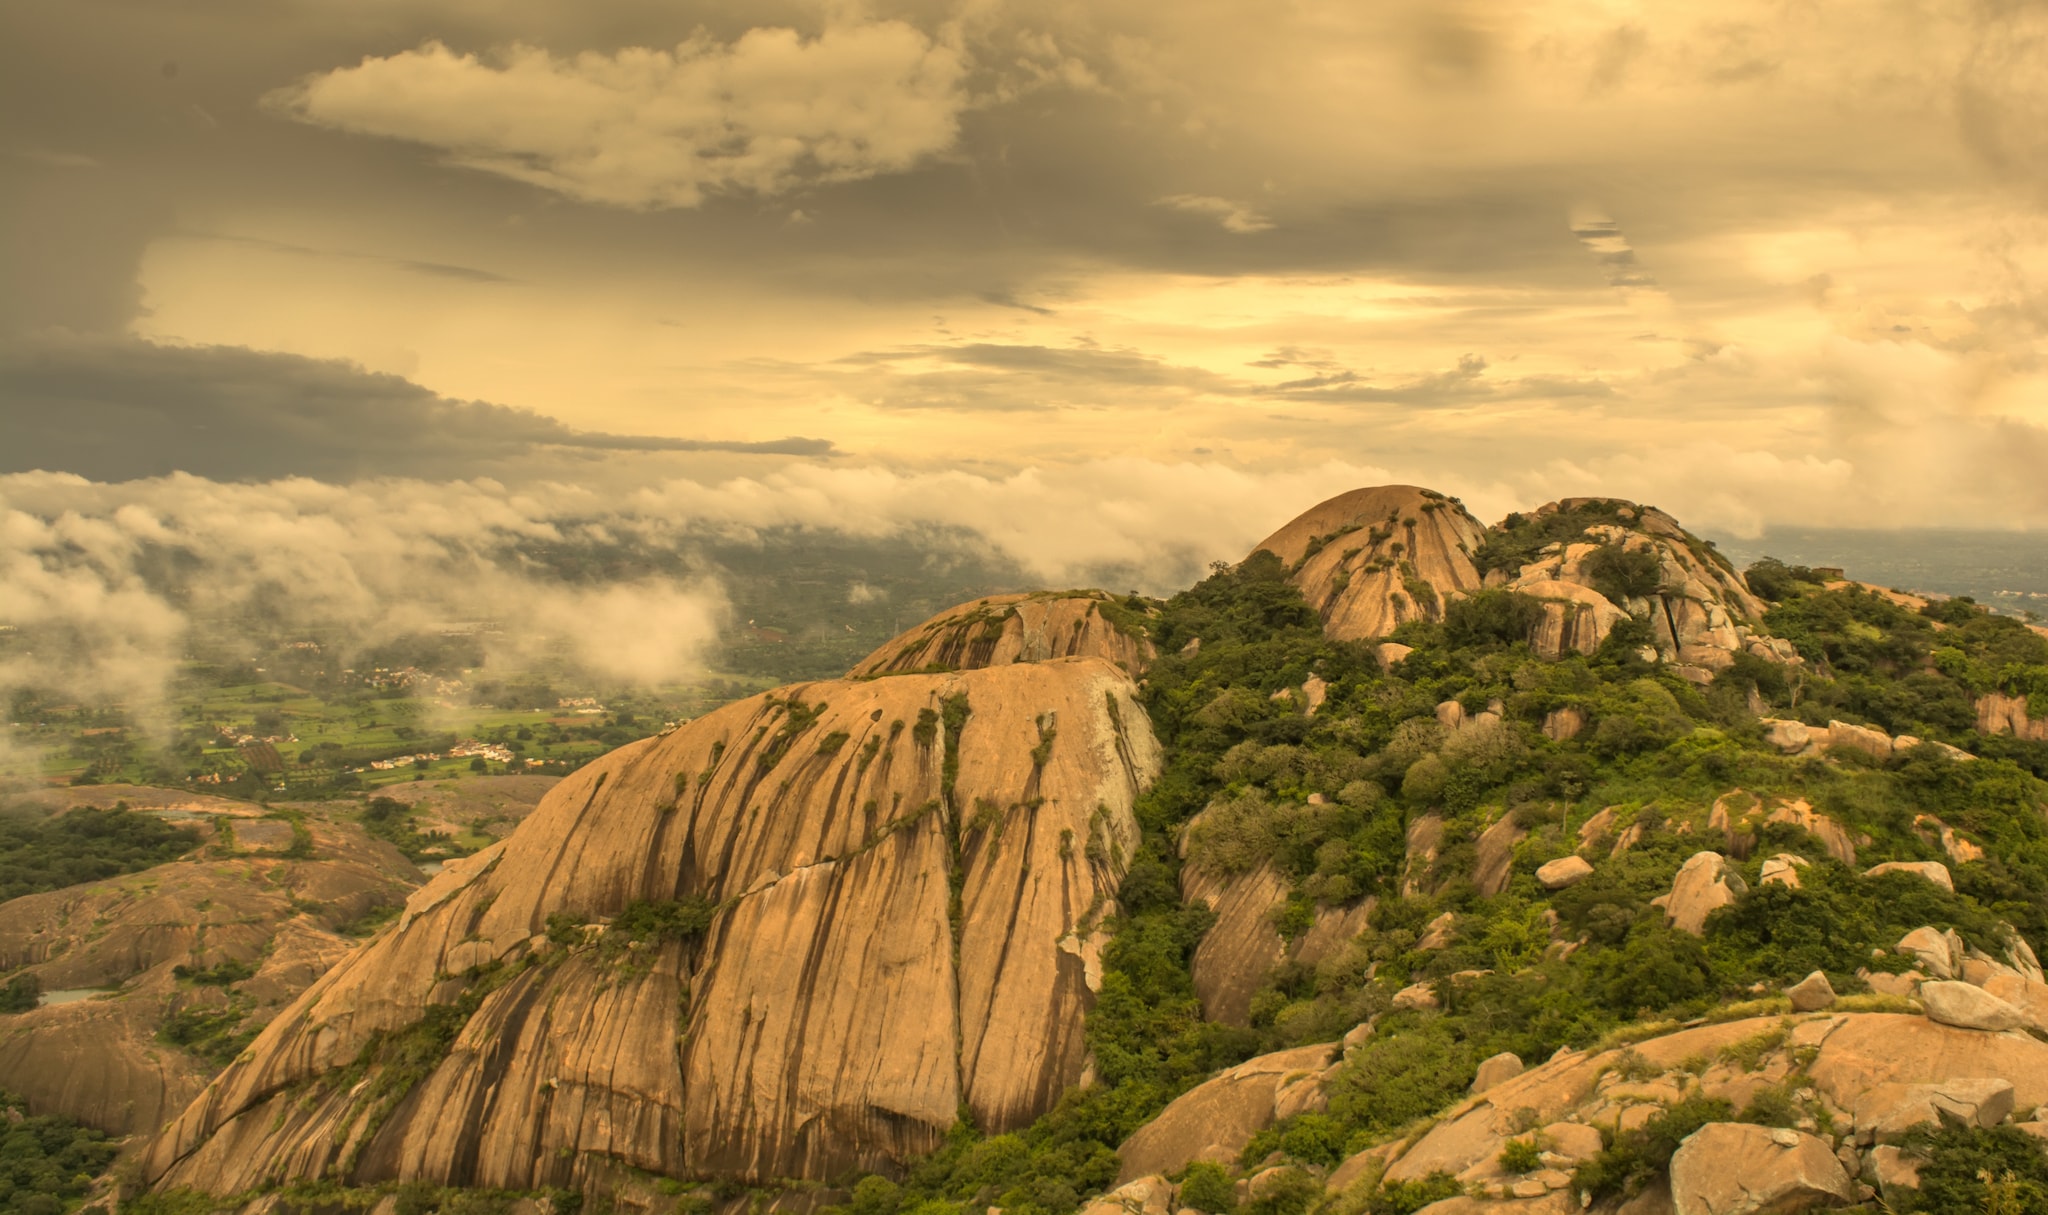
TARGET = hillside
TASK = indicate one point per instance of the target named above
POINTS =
(1603, 876)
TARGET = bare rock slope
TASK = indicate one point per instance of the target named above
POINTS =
(904, 878)
(1371, 559)
(1003, 629)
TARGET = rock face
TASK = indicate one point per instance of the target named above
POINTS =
(1371, 559)
(1730, 1168)
(904, 879)
(2001, 714)
(1242, 946)
(1003, 629)
(1700, 612)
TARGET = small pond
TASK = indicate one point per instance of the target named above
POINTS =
(73, 995)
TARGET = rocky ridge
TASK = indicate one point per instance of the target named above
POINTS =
(1003, 629)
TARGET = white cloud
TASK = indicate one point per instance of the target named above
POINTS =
(648, 128)
(1235, 217)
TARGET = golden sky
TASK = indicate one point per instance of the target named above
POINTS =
(1755, 262)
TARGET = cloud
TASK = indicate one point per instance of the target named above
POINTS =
(114, 409)
(102, 582)
(645, 128)
(1235, 217)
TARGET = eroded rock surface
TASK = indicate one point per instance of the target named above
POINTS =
(907, 876)
(1371, 559)
(1003, 629)
(1700, 611)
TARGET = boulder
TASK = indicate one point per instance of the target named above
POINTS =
(1705, 883)
(1564, 871)
(1371, 559)
(1003, 629)
(1938, 952)
(2026, 995)
(1887, 1112)
(1728, 1168)
(1783, 869)
(1438, 932)
(1391, 652)
(1933, 871)
(1497, 1069)
(1224, 1112)
(1901, 985)
(1416, 996)
(1844, 737)
(1811, 994)
(1789, 737)
(1967, 1007)
(904, 871)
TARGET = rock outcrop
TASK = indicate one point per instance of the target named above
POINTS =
(1003, 629)
(900, 883)
(1215, 1119)
(1699, 610)
(1705, 883)
(1243, 946)
(1859, 1071)
(1998, 713)
(1371, 559)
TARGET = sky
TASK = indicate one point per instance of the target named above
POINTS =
(1118, 265)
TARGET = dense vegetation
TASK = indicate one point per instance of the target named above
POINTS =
(1328, 800)
(394, 822)
(39, 853)
(46, 1164)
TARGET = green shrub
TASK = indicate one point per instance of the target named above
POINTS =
(1973, 1169)
(1634, 1157)
(22, 993)
(82, 845)
(1408, 1197)
(1206, 1187)
(46, 1164)
(1520, 1156)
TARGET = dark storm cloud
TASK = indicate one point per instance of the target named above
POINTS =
(117, 409)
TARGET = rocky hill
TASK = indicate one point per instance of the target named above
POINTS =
(1372, 559)
(791, 939)
(1550, 867)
